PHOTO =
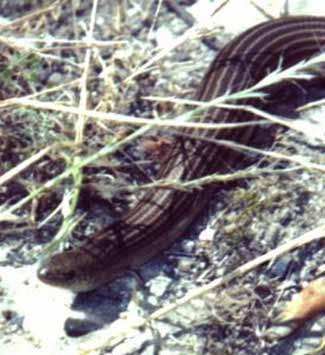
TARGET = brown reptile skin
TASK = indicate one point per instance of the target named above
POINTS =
(162, 215)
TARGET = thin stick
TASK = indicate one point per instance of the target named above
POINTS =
(27, 49)
(59, 43)
(205, 180)
(24, 165)
(189, 20)
(89, 42)
(285, 11)
(300, 160)
(155, 19)
(124, 119)
(79, 127)
(219, 7)
(30, 16)
(310, 105)
(72, 195)
(11, 101)
(261, 10)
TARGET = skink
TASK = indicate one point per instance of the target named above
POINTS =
(161, 216)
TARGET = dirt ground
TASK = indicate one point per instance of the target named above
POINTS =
(141, 49)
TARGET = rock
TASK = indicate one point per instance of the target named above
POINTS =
(75, 327)
(55, 79)
(188, 246)
(158, 286)
(281, 266)
(185, 265)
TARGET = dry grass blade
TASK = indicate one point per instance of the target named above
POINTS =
(24, 165)
(32, 15)
(206, 180)
(21, 46)
(261, 10)
(28, 42)
(219, 7)
(116, 118)
(84, 94)
(311, 105)
(9, 102)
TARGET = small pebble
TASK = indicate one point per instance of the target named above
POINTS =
(55, 79)
(277, 332)
(230, 228)
(78, 327)
(185, 265)
(100, 21)
(207, 234)
(188, 246)
(158, 286)
(8, 314)
(281, 266)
